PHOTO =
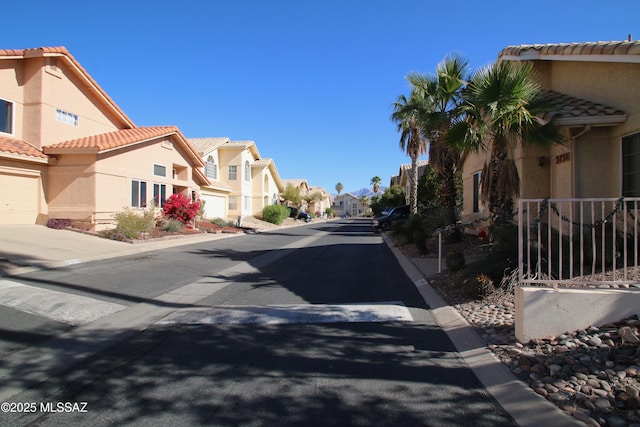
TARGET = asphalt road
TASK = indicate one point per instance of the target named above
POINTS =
(286, 328)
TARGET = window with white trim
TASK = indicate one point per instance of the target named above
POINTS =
(6, 116)
(631, 166)
(66, 117)
(159, 195)
(233, 203)
(210, 168)
(233, 173)
(159, 170)
(247, 171)
(138, 194)
(247, 202)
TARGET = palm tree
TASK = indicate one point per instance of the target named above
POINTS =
(405, 114)
(339, 187)
(364, 200)
(503, 106)
(444, 90)
(375, 182)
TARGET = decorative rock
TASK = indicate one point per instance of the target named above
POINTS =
(628, 336)
(595, 341)
(602, 404)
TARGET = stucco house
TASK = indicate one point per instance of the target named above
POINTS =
(347, 204)
(597, 87)
(68, 151)
(323, 201)
(241, 183)
(403, 178)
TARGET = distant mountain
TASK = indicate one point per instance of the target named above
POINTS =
(366, 192)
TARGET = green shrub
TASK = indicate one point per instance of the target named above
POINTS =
(172, 225)
(275, 214)
(219, 222)
(130, 224)
(455, 261)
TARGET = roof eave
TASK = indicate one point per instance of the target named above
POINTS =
(23, 157)
(593, 121)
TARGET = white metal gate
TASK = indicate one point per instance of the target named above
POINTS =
(591, 241)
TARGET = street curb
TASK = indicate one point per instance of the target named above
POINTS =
(527, 408)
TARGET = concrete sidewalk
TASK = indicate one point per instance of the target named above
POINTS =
(25, 248)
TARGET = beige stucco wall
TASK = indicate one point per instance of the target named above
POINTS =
(92, 188)
(241, 188)
(38, 88)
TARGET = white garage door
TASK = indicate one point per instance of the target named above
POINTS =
(18, 199)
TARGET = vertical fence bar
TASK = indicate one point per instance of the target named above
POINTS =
(624, 242)
(581, 238)
(521, 241)
(571, 239)
(539, 248)
(635, 240)
(560, 254)
(614, 231)
(593, 240)
(603, 244)
(549, 240)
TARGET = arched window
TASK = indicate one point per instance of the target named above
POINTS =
(210, 168)
(247, 171)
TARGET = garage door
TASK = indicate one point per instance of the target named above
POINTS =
(18, 199)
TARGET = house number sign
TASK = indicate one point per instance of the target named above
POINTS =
(564, 157)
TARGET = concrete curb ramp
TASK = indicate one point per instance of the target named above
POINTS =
(291, 314)
(62, 307)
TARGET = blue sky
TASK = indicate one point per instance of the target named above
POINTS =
(311, 82)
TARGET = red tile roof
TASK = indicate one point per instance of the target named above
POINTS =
(631, 49)
(121, 138)
(16, 146)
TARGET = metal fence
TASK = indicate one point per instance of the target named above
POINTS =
(591, 241)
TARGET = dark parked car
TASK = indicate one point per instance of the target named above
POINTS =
(298, 214)
(396, 214)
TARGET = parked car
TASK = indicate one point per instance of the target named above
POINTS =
(298, 214)
(396, 214)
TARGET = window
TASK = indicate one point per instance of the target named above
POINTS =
(631, 166)
(6, 116)
(233, 203)
(67, 118)
(247, 202)
(476, 192)
(138, 194)
(210, 168)
(247, 171)
(159, 170)
(159, 194)
(233, 173)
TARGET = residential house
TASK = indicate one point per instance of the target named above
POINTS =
(321, 200)
(241, 182)
(347, 204)
(68, 151)
(597, 87)
(403, 178)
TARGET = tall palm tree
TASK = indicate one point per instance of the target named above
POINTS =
(405, 114)
(444, 90)
(339, 187)
(503, 106)
(375, 182)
